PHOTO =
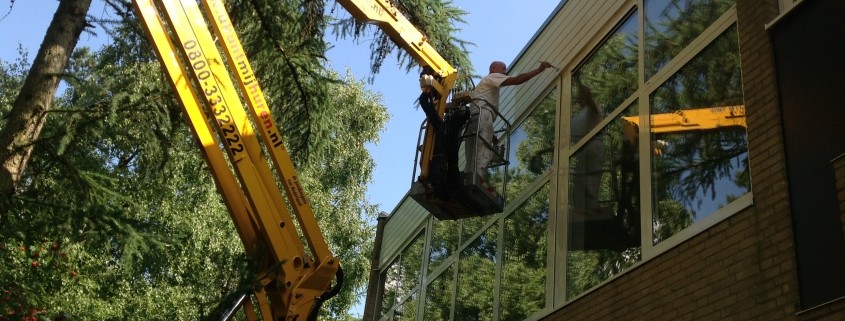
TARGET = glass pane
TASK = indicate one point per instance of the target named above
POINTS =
(445, 238)
(611, 77)
(438, 301)
(411, 265)
(470, 226)
(390, 287)
(530, 147)
(524, 268)
(604, 202)
(476, 276)
(701, 167)
(670, 25)
(408, 310)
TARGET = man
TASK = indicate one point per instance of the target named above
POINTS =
(486, 97)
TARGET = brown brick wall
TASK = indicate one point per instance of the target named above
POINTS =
(744, 267)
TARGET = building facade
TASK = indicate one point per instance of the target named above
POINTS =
(683, 164)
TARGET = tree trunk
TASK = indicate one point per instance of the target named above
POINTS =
(29, 111)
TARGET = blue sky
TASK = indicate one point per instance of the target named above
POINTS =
(500, 29)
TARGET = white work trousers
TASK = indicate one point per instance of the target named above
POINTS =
(483, 121)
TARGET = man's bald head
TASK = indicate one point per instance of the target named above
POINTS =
(498, 67)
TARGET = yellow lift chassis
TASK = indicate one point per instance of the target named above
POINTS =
(292, 283)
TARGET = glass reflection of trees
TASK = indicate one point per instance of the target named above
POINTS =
(671, 25)
(438, 304)
(390, 288)
(604, 219)
(610, 74)
(530, 148)
(698, 172)
(523, 266)
(695, 173)
(401, 278)
(407, 311)
(603, 230)
(444, 242)
(523, 271)
(476, 278)
(523, 287)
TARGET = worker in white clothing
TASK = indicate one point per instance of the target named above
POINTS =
(486, 97)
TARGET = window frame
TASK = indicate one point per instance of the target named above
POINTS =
(640, 96)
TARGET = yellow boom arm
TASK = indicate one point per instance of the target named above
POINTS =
(686, 120)
(694, 119)
(291, 281)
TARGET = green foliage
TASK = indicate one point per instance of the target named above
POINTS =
(336, 182)
(523, 288)
(11, 80)
(284, 44)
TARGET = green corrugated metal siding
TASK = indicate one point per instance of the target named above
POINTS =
(401, 227)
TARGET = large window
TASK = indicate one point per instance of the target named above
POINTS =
(810, 84)
(687, 120)
(704, 166)
(523, 281)
(607, 78)
(476, 278)
(438, 303)
(530, 147)
(603, 228)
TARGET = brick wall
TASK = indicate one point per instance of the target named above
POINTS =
(723, 273)
(744, 267)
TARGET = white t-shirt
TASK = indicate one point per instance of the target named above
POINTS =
(488, 89)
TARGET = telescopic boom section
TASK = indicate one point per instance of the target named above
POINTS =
(685, 120)
(292, 283)
(405, 35)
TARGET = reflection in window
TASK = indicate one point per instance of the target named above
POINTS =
(389, 288)
(604, 217)
(403, 275)
(438, 303)
(408, 310)
(670, 25)
(530, 147)
(471, 226)
(411, 264)
(476, 277)
(444, 241)
(523, 288)
(697, 172)
(611, 75)
(603, 229)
